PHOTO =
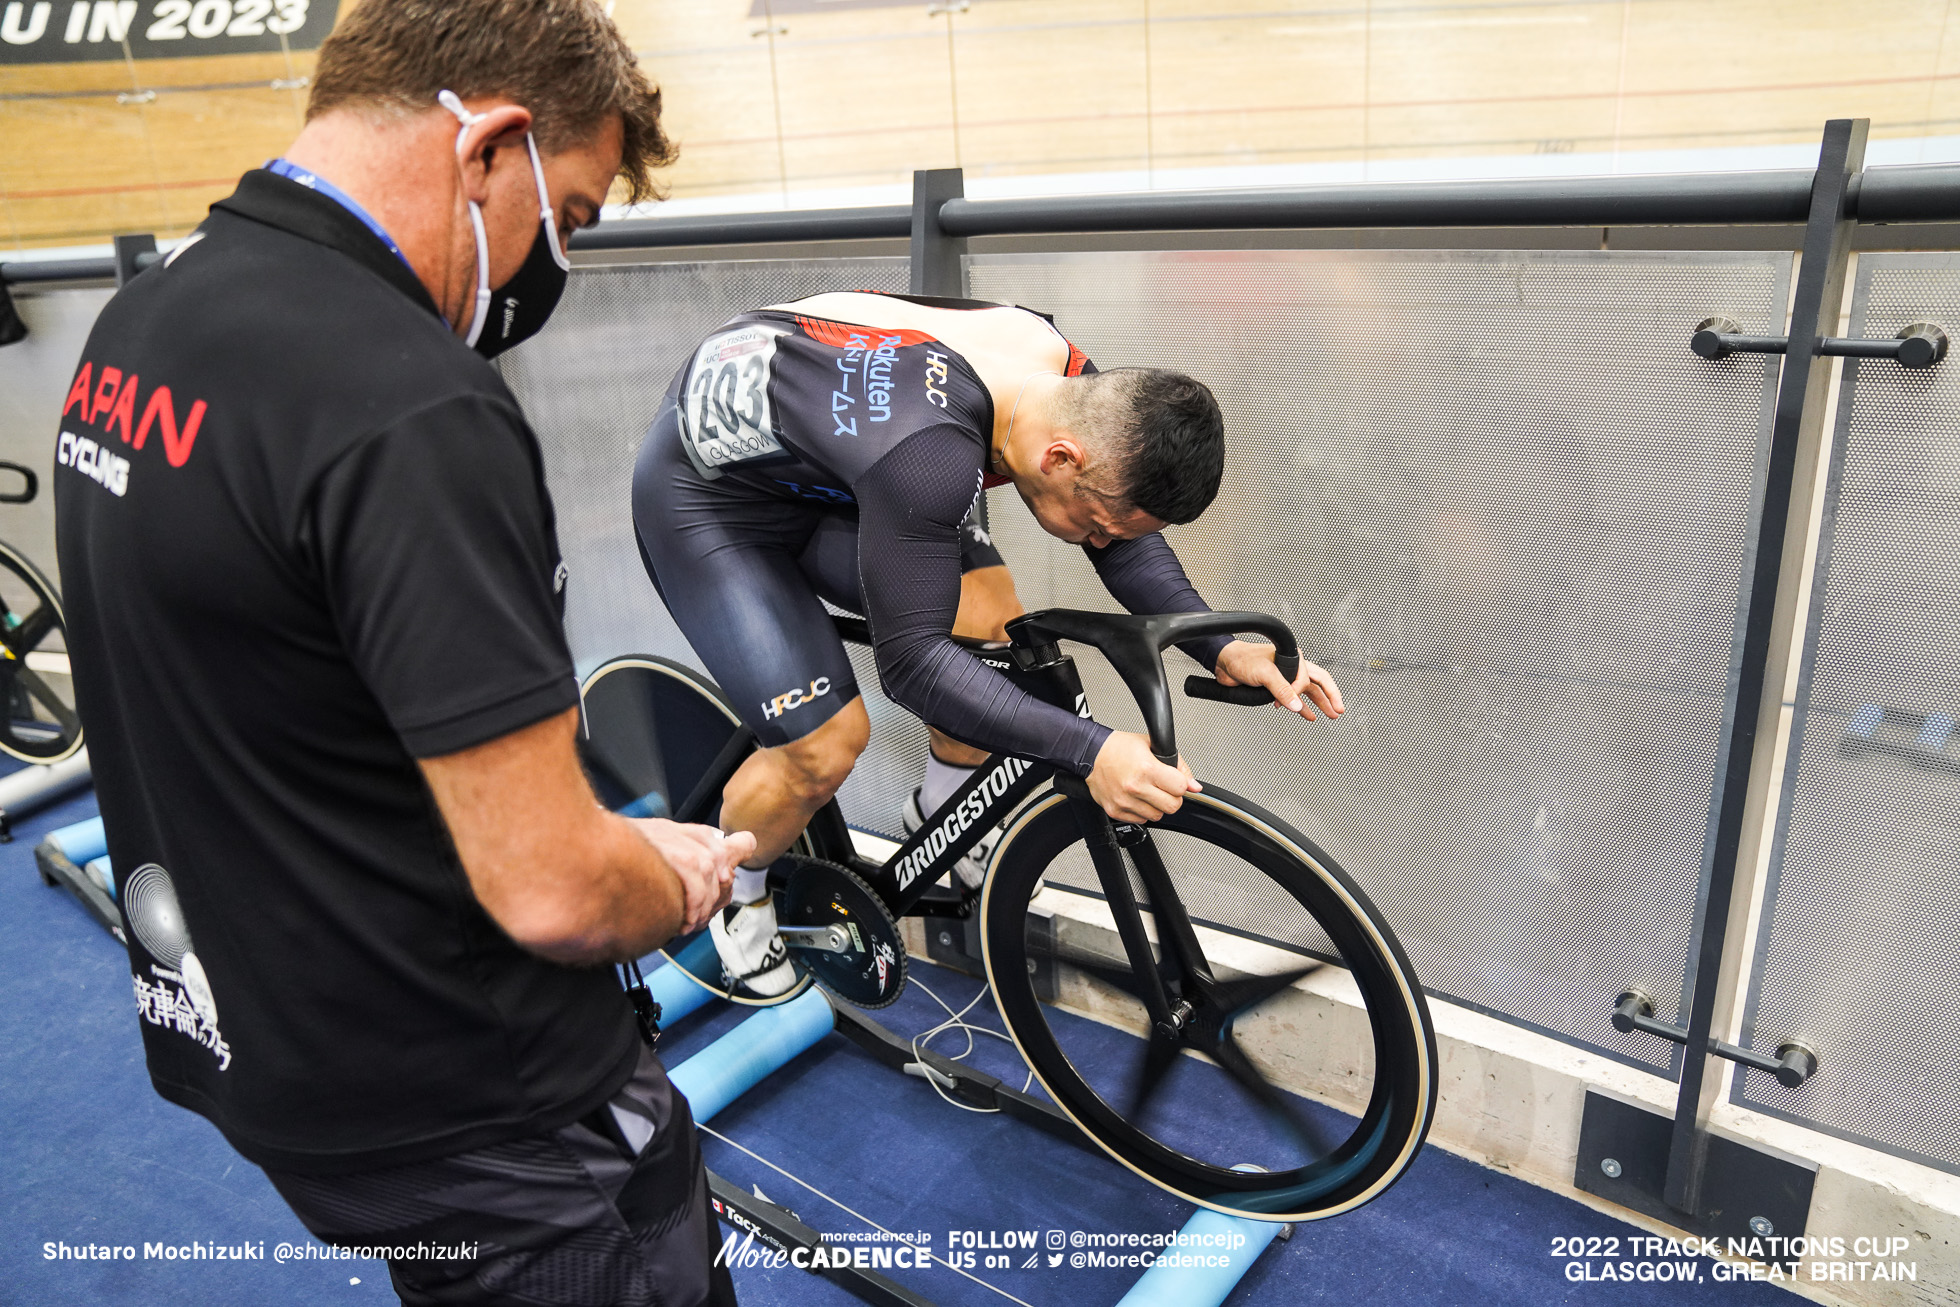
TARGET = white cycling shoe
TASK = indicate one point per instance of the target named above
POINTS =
(752, 953)
(971, 869)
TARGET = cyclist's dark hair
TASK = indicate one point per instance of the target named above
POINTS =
(1163, 436)
(561, 59)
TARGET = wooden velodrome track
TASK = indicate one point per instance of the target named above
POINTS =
(865, 91)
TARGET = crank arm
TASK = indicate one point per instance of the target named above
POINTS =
(825, 939)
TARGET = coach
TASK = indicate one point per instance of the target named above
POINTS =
(314, 598)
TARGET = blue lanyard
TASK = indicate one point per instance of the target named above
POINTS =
(313, 181)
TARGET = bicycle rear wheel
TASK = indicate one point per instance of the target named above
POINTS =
(1230, 910)
(37, 691)
(650, 729)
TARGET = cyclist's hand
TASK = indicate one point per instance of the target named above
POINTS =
(1244, 663)
(704, 861)
(1131, 785)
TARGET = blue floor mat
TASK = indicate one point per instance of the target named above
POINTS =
(1449, 1233)
(94, 1157)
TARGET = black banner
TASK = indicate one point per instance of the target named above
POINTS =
(74, 31)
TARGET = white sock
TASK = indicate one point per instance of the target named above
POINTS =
(751, 884)
(943, 781)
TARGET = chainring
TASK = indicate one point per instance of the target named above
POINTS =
(871, 973)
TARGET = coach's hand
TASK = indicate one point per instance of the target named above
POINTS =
(1244, 663)
(1131, 785)
(703, 859)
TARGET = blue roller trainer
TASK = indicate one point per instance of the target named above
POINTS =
(738, 1061)
(1183, 1277)
(673, 987)
(83, 842)
(102, 874)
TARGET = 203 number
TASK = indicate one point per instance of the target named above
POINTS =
(205, 19)
(715, 391)
(1586, 1246)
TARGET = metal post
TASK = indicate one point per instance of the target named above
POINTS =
(1799, 412)
(12, 328)
(936, 266)
(127, 249)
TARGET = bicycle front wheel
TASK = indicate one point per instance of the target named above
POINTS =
(1230, 914)
(39, 723)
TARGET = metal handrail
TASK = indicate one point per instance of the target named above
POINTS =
(1778, 196)
(27, 271)
(893, 221)
(1903, 193)
(1928, 192)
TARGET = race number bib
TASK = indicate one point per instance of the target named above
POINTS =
(725, 419)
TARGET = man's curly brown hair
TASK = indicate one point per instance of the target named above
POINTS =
(561, 59)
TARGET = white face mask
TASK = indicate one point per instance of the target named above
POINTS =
(523, 314)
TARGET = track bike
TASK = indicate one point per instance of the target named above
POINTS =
(1186, 929)
(39, 723)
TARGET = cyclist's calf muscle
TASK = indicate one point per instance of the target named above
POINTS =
(777, 791)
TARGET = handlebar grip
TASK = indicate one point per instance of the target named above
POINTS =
(1204, 687)
(1288, 664)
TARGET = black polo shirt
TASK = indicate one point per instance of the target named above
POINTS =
(305, 540)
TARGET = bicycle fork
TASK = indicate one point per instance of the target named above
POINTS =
(1170, 1009)
(1188, 1005)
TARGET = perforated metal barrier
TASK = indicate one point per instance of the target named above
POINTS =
(1497, 497)
(1493, 493)
(591, 384)
(1859, 944)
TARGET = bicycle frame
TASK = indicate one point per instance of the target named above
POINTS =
(1033, 660)
(1164, 966)
(998, 786)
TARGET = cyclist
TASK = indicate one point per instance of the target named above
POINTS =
(835, 448)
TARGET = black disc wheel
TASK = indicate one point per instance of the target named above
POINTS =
(869, 971)
(1287, 1067)
(40, 724)
(651, 728)
(651, 732)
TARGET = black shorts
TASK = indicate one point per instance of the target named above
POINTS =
(745, 575)
(580, 1215)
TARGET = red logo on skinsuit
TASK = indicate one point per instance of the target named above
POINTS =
(114, 396)
(839, 335)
